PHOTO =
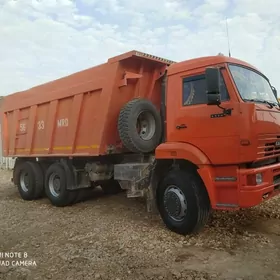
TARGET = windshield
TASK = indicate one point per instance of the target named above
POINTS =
(251, 85)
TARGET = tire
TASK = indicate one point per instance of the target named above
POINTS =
(29, 179)
(56, 186)
(111, 187)
(140, 126)
(44, 166)
(188, 190)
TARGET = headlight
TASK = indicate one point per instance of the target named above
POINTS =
(259, 179)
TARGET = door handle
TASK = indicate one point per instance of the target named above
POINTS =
(181, 126)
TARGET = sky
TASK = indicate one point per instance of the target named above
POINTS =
(42, 40)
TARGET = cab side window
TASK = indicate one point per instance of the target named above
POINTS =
(194, 90)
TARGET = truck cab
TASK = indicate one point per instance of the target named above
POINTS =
(223, 116)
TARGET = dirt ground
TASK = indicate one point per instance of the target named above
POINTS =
(112, 237)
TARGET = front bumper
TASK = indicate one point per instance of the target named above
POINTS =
(253, 194)
(242, 191)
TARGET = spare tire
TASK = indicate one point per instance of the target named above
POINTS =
(140, 126)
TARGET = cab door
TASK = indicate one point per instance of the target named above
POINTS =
(193, 121)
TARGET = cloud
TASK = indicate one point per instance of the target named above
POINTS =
(43, 40)
(268, 8)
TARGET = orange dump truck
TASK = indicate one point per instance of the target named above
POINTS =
(189, 137)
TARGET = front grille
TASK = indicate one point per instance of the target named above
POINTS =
(268, 146)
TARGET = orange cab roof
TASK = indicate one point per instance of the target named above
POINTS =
(204, 62)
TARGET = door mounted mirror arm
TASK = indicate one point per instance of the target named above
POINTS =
(226, 111)
(213, 90)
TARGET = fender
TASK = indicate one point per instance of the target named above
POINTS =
(175, 150)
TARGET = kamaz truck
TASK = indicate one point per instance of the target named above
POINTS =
(186, 136)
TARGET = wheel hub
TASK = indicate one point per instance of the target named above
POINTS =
(24, 181)
(146, 125)
(175, 203)
(54, 185)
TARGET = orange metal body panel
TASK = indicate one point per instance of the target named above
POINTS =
(77, 115)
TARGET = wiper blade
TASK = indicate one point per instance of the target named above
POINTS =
(271, 104)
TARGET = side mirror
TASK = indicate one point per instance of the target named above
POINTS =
(213, 86)
(274, 91)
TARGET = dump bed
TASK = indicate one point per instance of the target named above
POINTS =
(77, 115)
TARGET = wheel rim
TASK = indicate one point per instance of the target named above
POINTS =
(24, 181)
(55, 185)
(146, 125)
(175, 203)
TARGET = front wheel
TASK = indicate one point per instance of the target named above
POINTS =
(183, 202)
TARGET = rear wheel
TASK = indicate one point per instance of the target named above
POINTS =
(183, 202)
(28, 177)
(56, 186)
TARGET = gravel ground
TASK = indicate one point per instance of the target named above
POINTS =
(112, 237)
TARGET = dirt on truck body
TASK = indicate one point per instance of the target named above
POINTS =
(188, 137)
